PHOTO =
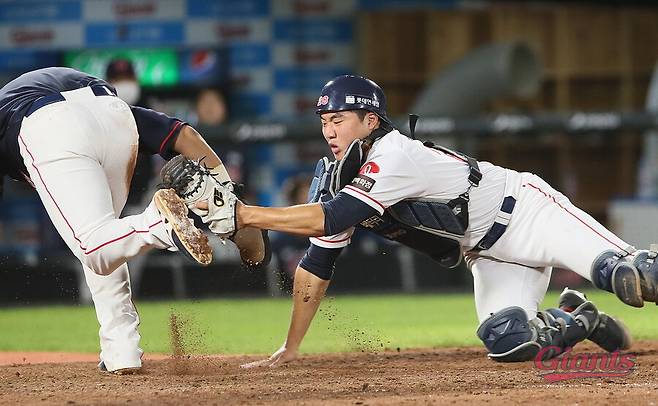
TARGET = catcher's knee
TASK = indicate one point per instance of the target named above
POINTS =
(509, 336)
(602, 269)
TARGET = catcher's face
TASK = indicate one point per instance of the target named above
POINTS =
(340, 128)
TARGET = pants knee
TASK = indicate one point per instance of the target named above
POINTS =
(96, 263)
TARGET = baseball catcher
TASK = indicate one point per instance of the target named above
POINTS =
(512, 228)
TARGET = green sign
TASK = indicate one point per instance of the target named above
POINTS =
(154, 67)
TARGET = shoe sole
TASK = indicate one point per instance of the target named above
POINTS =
(121, 371)
(194, 241)
(126, 371)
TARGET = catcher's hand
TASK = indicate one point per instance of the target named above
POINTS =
(221, 216)
(214, 202)
(282, 356)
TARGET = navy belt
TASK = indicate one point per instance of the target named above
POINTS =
(497, 229)
(99, 90)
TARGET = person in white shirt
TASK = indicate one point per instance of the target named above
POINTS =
(512, 228)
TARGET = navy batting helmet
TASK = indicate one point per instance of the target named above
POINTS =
(350, 92)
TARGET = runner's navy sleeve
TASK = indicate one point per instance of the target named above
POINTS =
(320, 261)
(343, 212)
(157, 131)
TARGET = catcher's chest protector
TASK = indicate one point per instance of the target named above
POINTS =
(444, 249)
(431, 226)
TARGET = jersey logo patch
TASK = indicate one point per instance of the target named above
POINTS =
(372, 222)
(363, 182)
(369, 167)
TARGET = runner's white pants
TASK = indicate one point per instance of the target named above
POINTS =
(80, 155)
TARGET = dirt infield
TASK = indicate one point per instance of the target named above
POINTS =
(433, 376)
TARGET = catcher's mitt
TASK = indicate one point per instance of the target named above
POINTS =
(194, 183)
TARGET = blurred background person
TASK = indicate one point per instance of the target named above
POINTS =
(120, 73)
(211, 107)
(212, 114)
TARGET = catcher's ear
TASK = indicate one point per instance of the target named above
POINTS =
(203, 205)
(372, 120)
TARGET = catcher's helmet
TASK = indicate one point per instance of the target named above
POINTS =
(350, 92)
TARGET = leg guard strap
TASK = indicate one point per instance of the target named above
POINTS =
(571, 328)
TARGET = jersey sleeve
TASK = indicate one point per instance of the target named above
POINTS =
(385, 179)
(343, 212)
(339, 240)
(157, 131)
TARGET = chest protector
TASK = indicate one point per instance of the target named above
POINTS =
(431, 226)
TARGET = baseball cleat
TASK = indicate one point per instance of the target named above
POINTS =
(191, 241)
(610, 333)
(120, 371)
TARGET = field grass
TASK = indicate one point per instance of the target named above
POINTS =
(258, 326)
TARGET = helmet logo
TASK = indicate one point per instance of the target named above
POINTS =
(369, 167)
(323, 100)
(365, 101)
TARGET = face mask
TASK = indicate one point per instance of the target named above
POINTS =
(128, 91)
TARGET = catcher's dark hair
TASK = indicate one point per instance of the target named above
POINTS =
(361, 113)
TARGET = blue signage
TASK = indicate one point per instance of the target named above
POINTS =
(136, 33)
(40, 11)
(313, 29)
(228, 9)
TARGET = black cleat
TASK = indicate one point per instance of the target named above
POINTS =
(610, 334)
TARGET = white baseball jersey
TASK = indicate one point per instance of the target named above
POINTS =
(399, 168)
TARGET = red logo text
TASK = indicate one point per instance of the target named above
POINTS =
(584, 365)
